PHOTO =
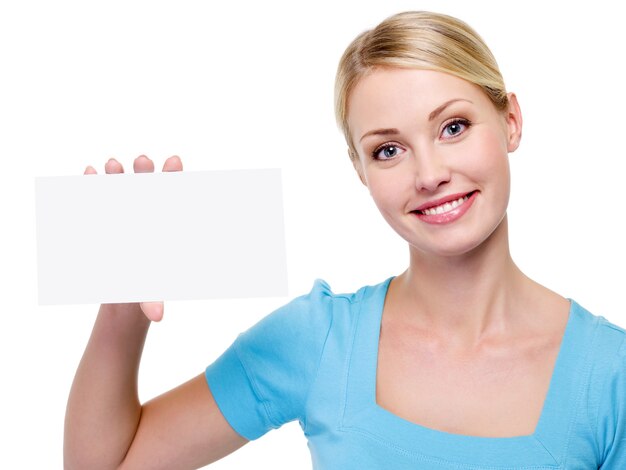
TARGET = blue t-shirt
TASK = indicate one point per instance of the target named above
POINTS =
(314, 360)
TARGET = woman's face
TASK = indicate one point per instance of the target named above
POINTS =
(432, 149)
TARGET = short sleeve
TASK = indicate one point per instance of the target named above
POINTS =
(262, 380)
(612, 416)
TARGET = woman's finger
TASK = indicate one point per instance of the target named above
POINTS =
(152, 310)
(113, 166)
(90, 171)
(174, 163)
(143, 164)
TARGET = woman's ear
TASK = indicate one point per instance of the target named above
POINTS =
(356, 163)
(514, 123)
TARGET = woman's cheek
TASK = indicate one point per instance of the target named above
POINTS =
(386, 196)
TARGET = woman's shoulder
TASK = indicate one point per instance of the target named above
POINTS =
(603, 343)
(601, 349)
(607, 336)
(598, 344)
(321, 292)
(319, 308)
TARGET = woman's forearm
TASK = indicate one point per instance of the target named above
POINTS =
(103, 409)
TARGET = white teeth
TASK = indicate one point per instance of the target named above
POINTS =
(446, 207)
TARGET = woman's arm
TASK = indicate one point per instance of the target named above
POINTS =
(103, 409)
(107, 428)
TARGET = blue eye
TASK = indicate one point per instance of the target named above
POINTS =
(386, 151)
(454, 128)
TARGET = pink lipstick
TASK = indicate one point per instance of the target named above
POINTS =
(446, 209)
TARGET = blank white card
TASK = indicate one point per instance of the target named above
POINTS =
(160, 236)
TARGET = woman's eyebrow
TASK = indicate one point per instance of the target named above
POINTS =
(391, 131)
(441, 108)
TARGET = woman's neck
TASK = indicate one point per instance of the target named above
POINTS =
(468, 298)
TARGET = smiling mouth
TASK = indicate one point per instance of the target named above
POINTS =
(446, 206)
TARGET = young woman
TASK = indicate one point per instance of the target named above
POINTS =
(460, 362)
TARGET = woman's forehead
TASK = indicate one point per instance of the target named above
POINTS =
(388, 94)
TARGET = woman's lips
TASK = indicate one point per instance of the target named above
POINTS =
(447, 209)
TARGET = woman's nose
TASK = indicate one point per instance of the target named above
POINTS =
(431, 171)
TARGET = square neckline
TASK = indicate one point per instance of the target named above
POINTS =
(363, 414)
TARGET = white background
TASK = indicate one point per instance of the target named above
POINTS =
(249, 85)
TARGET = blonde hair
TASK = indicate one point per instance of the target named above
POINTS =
(421, 40)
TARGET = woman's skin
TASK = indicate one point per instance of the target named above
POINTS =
(468, 343)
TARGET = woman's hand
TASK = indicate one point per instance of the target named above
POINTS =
(106, 427)
(142, 164)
